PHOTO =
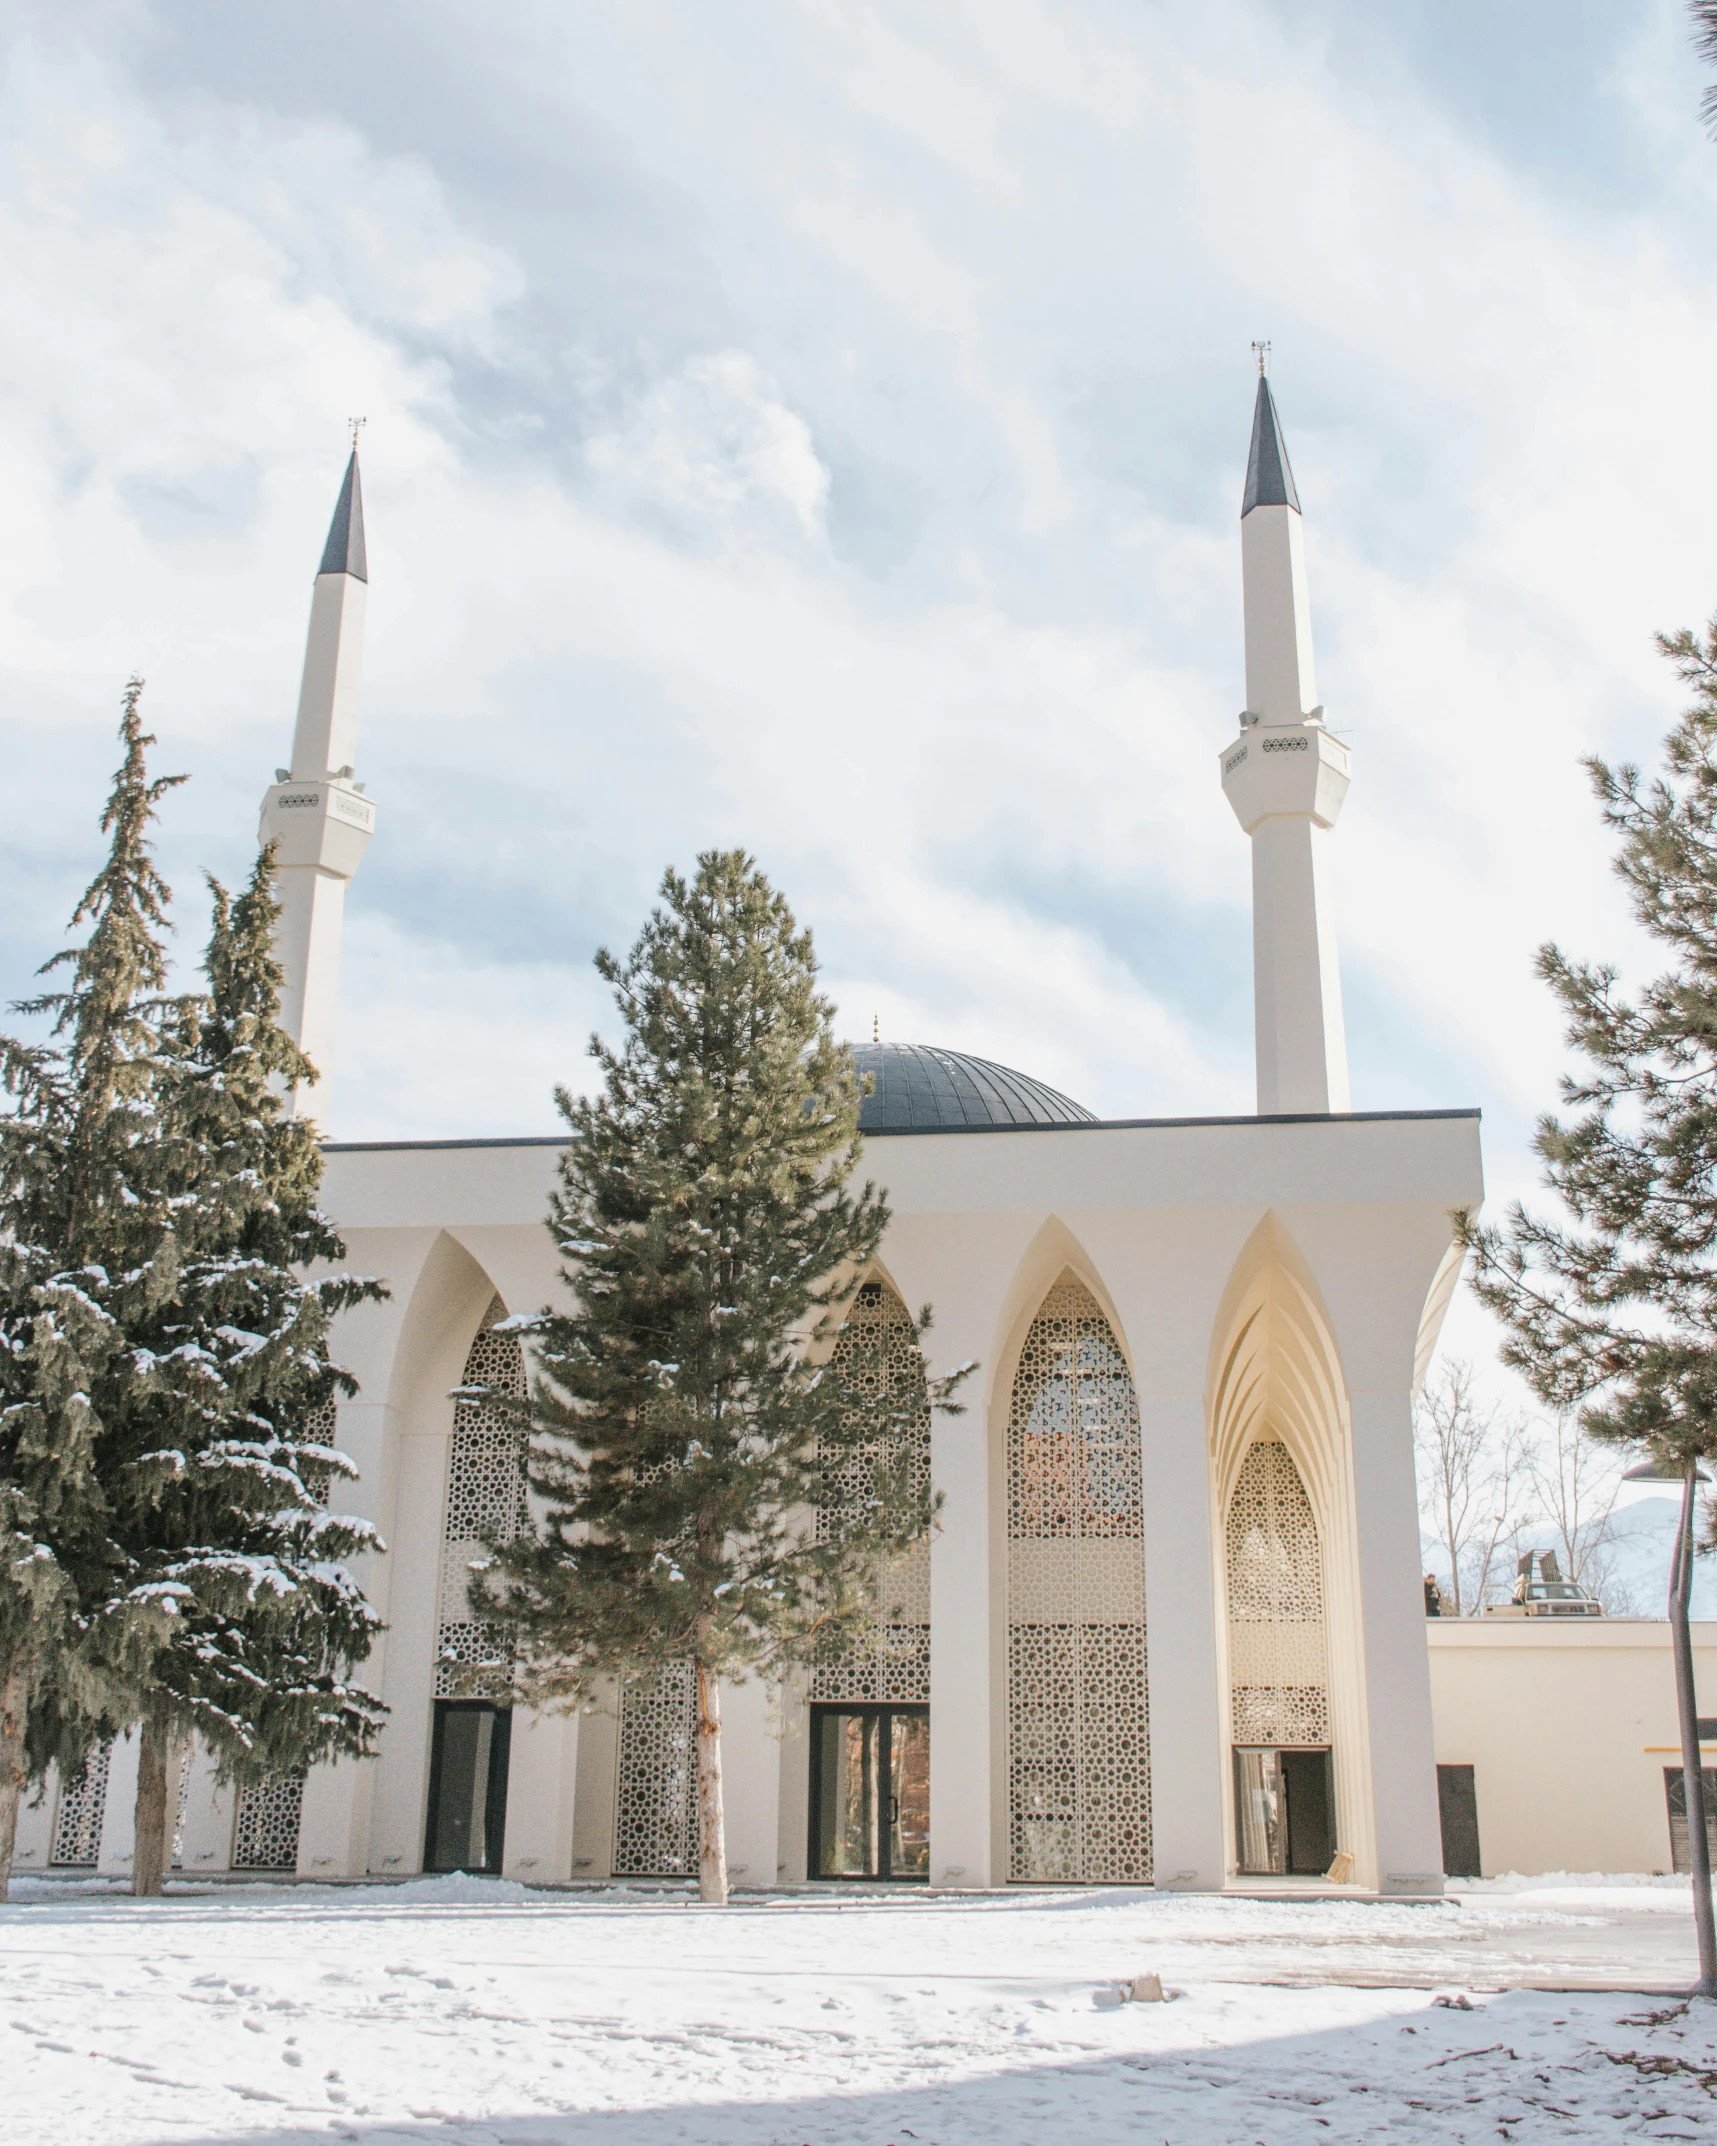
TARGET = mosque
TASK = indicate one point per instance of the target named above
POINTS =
(1171, 1630)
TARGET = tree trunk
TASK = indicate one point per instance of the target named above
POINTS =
(149, 1847)
(712, 1833)
(13, 1700)
(1687, 1704)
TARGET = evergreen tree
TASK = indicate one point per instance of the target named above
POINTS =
(1614, 1313)
(216, 1518)
(85, 1251)
(681, 1433)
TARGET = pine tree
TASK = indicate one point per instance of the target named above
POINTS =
(681, 1430)
(217, 1517)
(85, 1249)
(1614, 1313)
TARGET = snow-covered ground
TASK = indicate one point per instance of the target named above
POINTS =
(452, 2011)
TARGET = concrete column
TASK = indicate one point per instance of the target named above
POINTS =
(334, 1829)
(964, 1712)
(1189, 1739)
(35, 1838)
(1397, 1668)
(119, 1813)
(793, 1787)
(598, 1766)
(542, 1774)
(751, 1784)
(209, 1809)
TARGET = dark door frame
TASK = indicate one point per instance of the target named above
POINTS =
(819, 1710)
(495, 1801)
(1327, 1754)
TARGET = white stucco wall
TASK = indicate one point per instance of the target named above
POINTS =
(1568, 1727)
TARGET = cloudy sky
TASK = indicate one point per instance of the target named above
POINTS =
(819, 425)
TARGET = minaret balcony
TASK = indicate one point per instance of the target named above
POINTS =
(327, 825)
(1285, 768)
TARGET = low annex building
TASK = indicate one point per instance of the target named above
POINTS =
(1171, 1628)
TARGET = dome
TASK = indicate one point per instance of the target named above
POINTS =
(919, 1089)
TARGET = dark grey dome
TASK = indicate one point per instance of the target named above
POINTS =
(921, 1089)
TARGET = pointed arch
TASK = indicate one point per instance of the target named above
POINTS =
(1078, 1720)
(877, 1364)
(485, 1495)
(1287, 1550)
(1278, 1659)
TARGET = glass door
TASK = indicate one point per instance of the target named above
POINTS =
(467, 1786)
(870, 1792)
(1284, 1811)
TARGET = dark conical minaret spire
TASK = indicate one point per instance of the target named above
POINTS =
(1286, 776)
(317, 817)
(1269, 475)
(344, 551)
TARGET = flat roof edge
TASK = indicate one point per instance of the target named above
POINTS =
(918, 1132)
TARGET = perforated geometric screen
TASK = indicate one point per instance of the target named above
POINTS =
(877, 1362)
(655, 1788)
(265, 1828)
(485, 1492)
(1079, 1745)
(77, 1823)
(319, 1430)
(181, 1759)
(1278, 1658)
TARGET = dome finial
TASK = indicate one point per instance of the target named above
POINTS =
(876, 1028)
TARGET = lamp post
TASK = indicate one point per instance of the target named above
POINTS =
(1687, 1706)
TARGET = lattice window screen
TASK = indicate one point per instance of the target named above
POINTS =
(77, 1823)
(655, 1791)
(878, 1361)
(265, 1826)
(485, 1490)
(319, 1430)
(1278, 1658)
(1079, 1744)
(186, 1752)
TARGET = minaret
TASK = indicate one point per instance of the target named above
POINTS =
(317, 817)
(1286, 778)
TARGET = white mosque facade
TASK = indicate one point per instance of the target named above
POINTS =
(1171, 1628)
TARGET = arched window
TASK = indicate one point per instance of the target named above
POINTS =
(466, 1819)
(1278, 1661)
(877, 1365)
(485, 1494)
(1079, 1770)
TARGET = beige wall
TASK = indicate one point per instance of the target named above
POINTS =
(1568, 1727)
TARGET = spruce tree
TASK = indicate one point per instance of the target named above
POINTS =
(1614, 1312)
(710, 1496)
(217, 1516)
(85, 1252)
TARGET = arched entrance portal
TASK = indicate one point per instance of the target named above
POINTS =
(870, 1696)
(474, 1658)
(1278, 1670)
(1079, 1773)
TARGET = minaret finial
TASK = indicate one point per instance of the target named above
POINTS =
(357, 424)
(1261, 351)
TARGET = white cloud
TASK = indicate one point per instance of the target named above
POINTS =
(711, 445)
(828, 438)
